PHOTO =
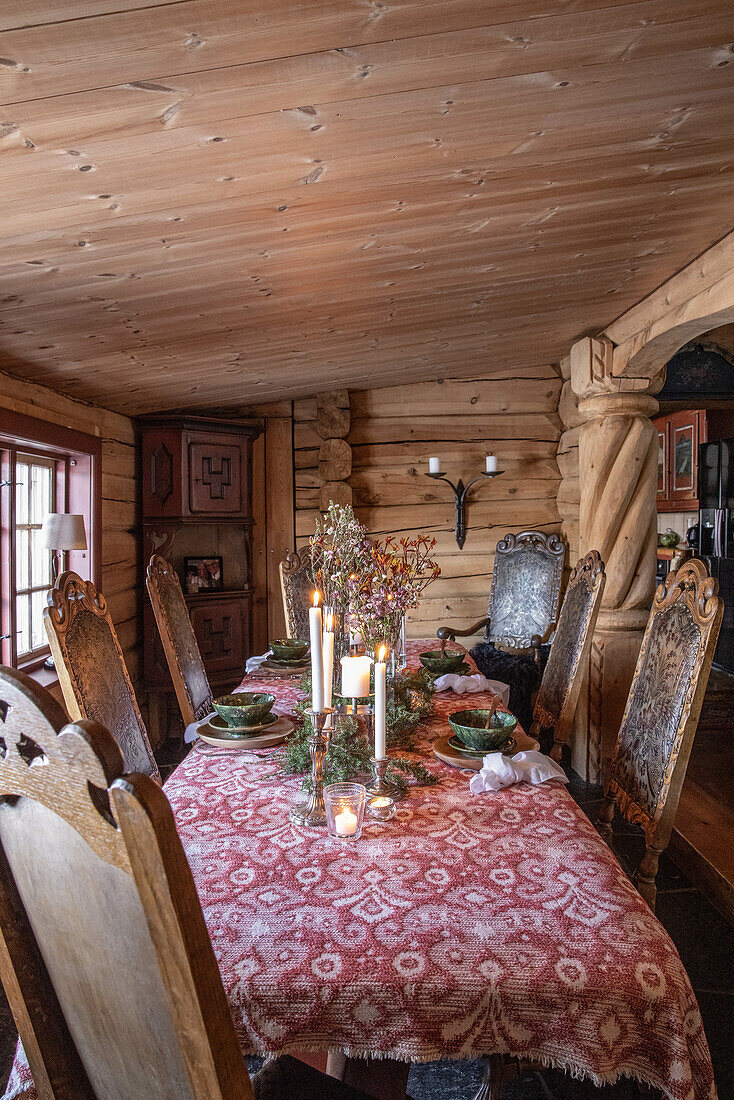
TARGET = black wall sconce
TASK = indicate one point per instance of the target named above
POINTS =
(461, 492)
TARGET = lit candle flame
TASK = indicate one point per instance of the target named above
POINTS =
(382, 652)
(316, 599)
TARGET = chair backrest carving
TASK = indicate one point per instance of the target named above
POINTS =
(297, 586)
(190, 680)
(656, 735)
(563, 676)
(107, 961)
(526, 588)
(91, 668)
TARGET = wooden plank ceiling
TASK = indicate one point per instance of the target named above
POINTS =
(214, 202)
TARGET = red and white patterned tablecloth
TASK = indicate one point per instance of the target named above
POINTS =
(469, 924)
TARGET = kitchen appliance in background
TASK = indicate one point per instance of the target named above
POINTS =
(716, 534)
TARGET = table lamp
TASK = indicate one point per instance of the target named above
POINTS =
(63, 532)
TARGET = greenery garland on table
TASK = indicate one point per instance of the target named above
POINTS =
(349, 753)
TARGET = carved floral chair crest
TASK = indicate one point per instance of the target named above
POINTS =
(563, 676)
(651, 755)
(296, 583)
(91, 668)
(105, 956)
(190, 680)
(525, 593)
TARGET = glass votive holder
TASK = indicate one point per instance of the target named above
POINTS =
(381, 807)
(345, 804)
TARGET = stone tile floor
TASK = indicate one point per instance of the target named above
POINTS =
(703, 938)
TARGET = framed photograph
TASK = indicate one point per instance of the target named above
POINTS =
(202, 574)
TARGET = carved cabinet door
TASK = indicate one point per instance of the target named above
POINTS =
(217, 472)
(222, 631)
(161, 456)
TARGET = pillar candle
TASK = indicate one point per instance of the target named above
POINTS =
(380, 685)
(328, 657)
(317, 655)
(434, 465)
(355, 677)
(491, 464)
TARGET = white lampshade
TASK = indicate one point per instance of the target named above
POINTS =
(64, 532)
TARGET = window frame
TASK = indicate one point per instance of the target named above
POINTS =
(78, 489)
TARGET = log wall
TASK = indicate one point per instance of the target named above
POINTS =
(393, 433)
(121, 573)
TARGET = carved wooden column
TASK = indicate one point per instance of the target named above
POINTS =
(617, 516)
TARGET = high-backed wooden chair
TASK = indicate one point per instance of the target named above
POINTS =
(105, 956)
(650, 758)
(559, 690)
(91, 668)
(297, 586)
(190, 680)
(524, 596)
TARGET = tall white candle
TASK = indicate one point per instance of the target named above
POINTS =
(356, 677)
(380, 692)
(490, 464)
(317, 655)
(327, 648)
(434, 465)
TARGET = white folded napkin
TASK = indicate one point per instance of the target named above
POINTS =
(253, 663)
(192, 730)
(500, 771)
(460, 685)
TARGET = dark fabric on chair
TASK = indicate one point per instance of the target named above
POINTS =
(521, 672)
(286, 1078)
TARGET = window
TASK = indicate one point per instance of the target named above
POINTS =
(44, 468)
(35, 496)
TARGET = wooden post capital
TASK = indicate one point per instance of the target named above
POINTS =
(592, 373)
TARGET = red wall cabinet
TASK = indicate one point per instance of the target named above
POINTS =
(679, 435)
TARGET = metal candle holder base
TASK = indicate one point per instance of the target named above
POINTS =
(313, 812)
(380, 786)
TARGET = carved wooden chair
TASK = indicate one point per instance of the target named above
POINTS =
(105, 957)
(558, 695)
(650, 758)
(524, 596)
(296, 584)
(91, 668)
(190, 680)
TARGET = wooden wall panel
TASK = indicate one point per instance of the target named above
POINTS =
(394, 432)
(121, 544)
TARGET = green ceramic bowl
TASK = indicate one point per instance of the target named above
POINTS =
(440, 664)
(245, 708)
(289, 649)
(468, 725)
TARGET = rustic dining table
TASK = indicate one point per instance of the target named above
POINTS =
(468, 925)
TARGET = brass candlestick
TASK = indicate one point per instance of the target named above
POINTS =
(313, 812)
(380, 785)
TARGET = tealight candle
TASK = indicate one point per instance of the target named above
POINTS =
(434, 465)
(491, 464)
(380, 693)
(317, 656)
(345, 822)
(355, 677)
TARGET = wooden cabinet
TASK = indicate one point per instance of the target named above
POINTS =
(197, 503)
(679, 435)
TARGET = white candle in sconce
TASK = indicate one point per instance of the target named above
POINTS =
(380, 692)
(345, 822)
(434, 465)
(327, 649)
(490, 464)
(317, 655)
(356, 677)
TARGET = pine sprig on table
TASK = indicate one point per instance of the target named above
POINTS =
(350, 751)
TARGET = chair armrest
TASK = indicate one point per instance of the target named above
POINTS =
(450, 633)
